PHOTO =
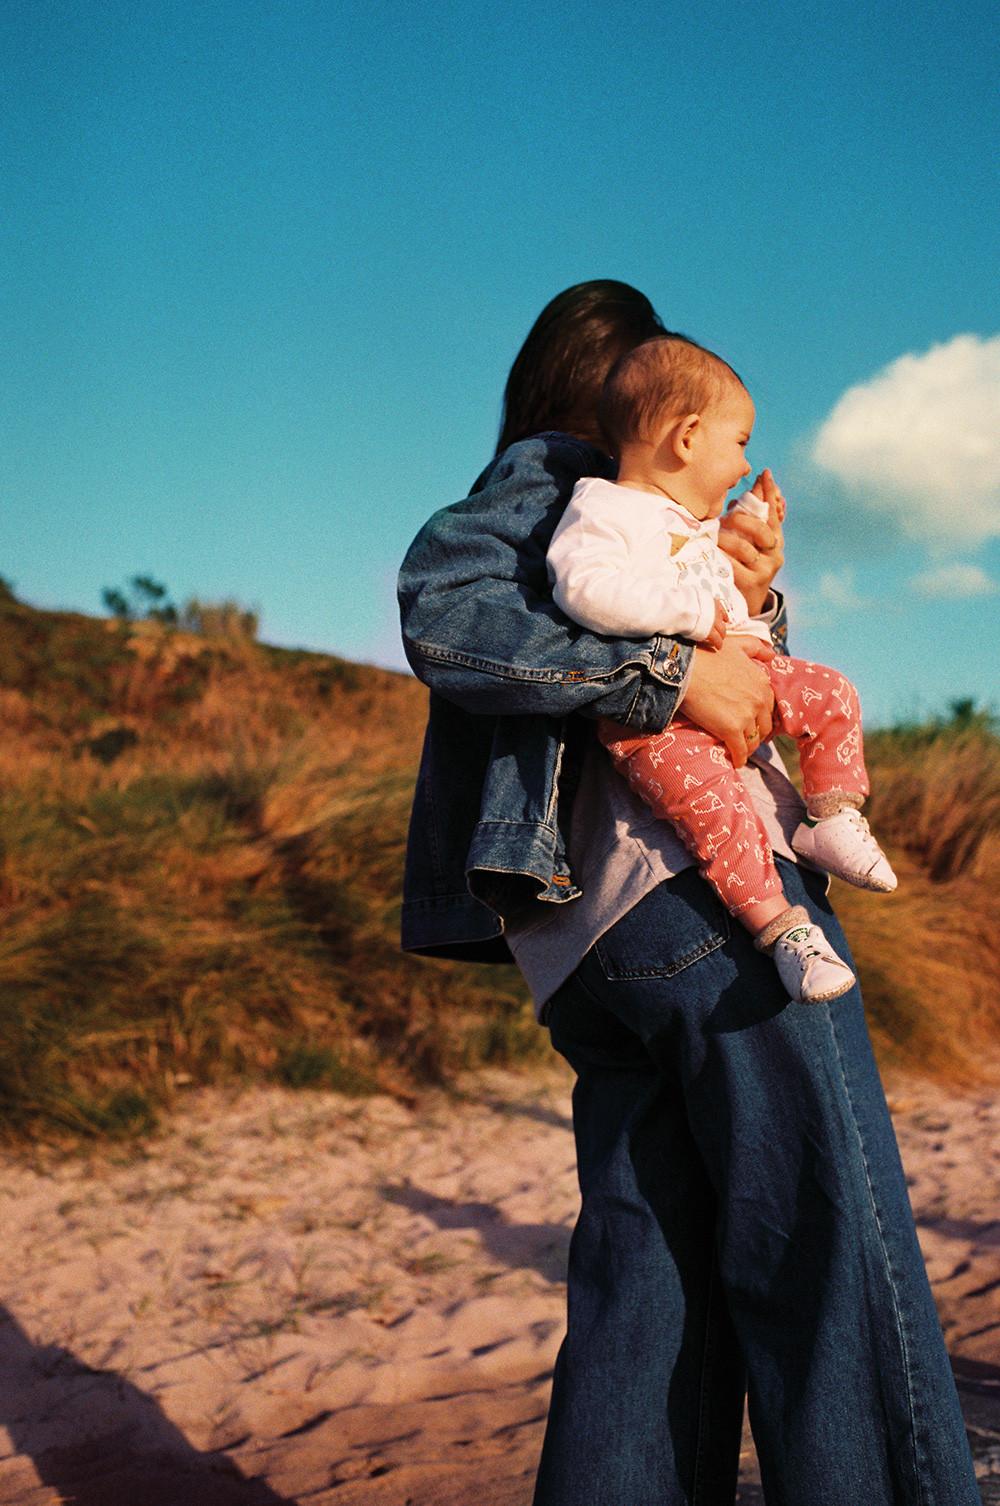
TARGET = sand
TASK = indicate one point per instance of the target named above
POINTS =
(304, 1298)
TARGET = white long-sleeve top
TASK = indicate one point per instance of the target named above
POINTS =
(630, 564)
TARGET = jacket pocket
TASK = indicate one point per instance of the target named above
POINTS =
(673, 926)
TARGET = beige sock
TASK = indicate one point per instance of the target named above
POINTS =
(795, 915)
(832, 801)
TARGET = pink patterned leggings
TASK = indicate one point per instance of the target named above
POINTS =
(688, 778)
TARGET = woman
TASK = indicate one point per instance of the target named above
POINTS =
(744, 1220)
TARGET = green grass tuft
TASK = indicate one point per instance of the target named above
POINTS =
(303, 1064)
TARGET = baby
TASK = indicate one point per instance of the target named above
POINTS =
(640, 557)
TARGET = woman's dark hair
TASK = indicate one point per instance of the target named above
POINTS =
(556, 379)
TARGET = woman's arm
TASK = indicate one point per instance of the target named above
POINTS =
(480, 627)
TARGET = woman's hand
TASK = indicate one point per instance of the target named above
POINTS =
(756, 549)
(729, 694)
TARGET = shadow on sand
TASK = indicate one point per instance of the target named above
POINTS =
(96, 1439)
(542, 1247)
(979, 1392)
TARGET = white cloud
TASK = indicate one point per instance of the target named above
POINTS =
(837, 588)
(921, 441)
(956, 580)
(824, 600)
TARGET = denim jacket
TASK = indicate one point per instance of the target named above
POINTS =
(510, 678)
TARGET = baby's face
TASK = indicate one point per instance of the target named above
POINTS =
(719, 456)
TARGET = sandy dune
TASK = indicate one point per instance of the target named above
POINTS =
(294, 1298)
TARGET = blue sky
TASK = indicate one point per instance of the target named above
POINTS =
(266, 266)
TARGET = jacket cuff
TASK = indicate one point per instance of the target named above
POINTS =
(775, 619)
(774, 606)
(661, 690)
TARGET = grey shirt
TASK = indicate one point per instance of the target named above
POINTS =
(618, 851)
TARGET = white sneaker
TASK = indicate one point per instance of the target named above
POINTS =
(809, 967)
(844, 846)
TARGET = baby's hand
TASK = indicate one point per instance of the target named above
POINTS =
(768, 489)
(717, 632)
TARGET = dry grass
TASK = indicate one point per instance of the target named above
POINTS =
(938, 791)
(928, 957)
(200, 857)
(200, 854)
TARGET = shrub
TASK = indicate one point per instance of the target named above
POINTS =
(227, 620)
(146, 600)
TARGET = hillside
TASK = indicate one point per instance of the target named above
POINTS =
(199, 879)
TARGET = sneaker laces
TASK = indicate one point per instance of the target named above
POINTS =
(864, 831)
(804, 949)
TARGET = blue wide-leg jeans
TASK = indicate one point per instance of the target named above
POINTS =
(744, 1229)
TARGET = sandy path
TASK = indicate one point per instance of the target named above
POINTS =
(295, 1298)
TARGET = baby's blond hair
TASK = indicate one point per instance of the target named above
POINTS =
(660, 379)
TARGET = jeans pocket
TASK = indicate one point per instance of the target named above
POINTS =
(678, 922)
